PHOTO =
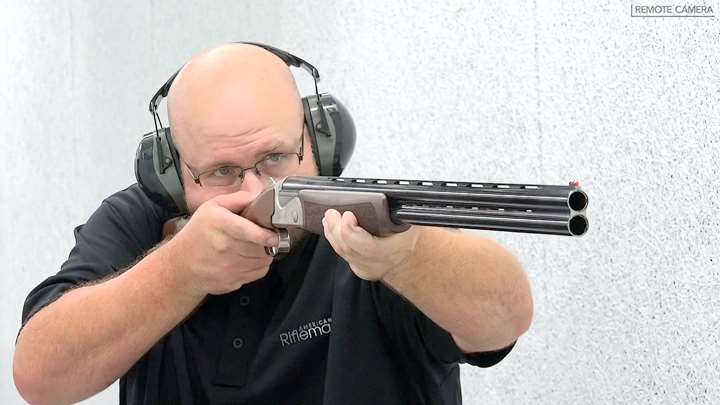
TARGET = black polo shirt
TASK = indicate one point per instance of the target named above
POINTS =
(310, 332)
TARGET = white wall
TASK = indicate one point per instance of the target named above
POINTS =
(531, 91)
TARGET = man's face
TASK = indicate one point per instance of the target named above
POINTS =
(235, 106)
(242, 151)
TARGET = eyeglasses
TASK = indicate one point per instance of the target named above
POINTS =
(275, 165)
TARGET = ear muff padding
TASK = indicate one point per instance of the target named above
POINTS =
(332, 132)
(175, 156)
(345, 133)
(158, 174)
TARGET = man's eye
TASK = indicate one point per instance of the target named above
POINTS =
(224, 171)
(275, 158)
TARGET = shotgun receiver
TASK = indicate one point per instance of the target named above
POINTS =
(383, 206)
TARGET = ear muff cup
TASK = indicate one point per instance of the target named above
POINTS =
(158, 174)
(332, 132)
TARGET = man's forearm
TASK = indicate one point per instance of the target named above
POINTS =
(91, 336)
(469, 285)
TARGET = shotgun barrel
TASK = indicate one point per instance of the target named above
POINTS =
(527, 208)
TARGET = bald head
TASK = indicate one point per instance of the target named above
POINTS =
(231, 90)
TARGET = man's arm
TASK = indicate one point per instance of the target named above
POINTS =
(468, 285)
(88, 338)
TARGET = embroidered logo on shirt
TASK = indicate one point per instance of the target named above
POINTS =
(306, 332)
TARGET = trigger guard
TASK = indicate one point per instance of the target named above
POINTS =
(283, 246)
(271, 251)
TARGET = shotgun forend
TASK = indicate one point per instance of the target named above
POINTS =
(385, 206)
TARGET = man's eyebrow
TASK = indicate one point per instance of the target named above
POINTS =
(270, 149)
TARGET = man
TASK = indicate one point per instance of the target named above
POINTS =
(206, 317)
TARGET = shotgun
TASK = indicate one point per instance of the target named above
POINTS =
(297, 204)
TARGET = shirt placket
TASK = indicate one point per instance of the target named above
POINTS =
(250, 311)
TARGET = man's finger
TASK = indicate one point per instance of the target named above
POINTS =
(235, 202)
(251, 251)
(242, 229)
(333, 227)
(355, 237)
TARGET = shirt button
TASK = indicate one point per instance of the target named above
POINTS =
(244, 300)
(238, 343)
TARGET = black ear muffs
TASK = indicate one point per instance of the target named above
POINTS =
(332, 134)
(158, 172)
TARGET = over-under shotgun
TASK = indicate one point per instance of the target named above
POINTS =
(385, 206)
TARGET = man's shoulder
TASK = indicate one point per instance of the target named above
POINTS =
(131, 196)
(133, 202)
(127, 217)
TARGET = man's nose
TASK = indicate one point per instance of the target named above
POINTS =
(253, 183)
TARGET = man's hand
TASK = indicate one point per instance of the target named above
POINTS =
(370, 257)
(218, 251)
